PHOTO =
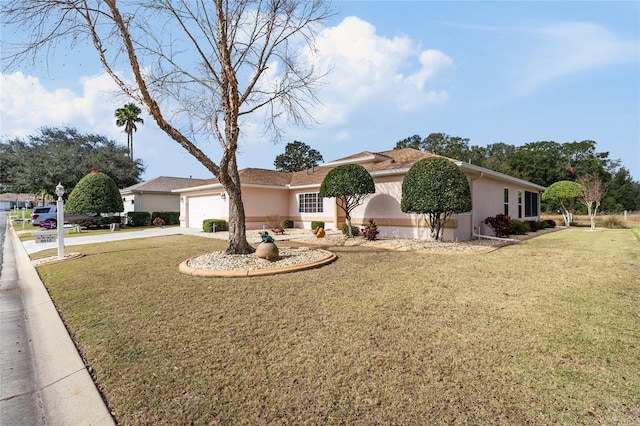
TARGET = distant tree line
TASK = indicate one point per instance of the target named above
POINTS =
(37, 163)
(542, 163)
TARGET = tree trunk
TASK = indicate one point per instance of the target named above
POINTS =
(592, 219)
(435, 225)
(230, 179)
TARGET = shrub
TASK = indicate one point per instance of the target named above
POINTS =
(220, 225)
(534, 225)
(519, 227)
(95, 193)
(350, 184)
(85, 221)
(317, 223)
(288, 223)
(613, 222)
(138, 218)
(370, 231)
(500, 223)
(355, 231)
(436, 188)
(169, 217)
(549, 223)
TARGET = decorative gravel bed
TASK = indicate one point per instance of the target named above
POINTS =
(219, 261)
(54, 259)
(405, 244)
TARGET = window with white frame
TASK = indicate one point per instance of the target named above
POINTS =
(519, 204)
(506, 201)
(309, 203)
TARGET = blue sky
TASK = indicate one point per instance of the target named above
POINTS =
(512, 72)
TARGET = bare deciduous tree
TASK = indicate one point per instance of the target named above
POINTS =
(593, 192)
(198, 67)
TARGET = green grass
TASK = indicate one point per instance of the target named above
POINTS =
(543, 332)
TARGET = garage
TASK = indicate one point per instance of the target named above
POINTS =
(201, 208)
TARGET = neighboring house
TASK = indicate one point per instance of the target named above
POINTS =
(295, 196)
(155, 194)
(9, 201)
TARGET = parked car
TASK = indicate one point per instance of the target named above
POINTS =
(47, 217)
(43, 213)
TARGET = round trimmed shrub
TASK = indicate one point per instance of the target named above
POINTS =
(95, 193)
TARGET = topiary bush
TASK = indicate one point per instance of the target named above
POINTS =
(169, 217)
(95, 193)
(370, 232)
(138, 218)
(500, 223)
(220, 225)
(288, 223)
(519, 227)
(350, 184)
(355, 231)
(317, 223)
(437, 188)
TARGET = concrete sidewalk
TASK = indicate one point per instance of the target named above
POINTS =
(63, 388)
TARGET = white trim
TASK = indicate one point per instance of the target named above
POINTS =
(355, 160)
(390, 172)
(313, 185)
(198, 188)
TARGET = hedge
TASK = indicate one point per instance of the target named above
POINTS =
(220, 225)
(138, 218)
(170, 218)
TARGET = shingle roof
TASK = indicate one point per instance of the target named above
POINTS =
(10, 196)
(162, 184)
(399, 160)
(383, 161)
(254, 176)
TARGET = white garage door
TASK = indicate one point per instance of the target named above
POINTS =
(201, 208)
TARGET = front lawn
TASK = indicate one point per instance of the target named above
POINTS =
(543, 332)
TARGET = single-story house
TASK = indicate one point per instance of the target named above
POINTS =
(9, 201)
(155, 194)
(295, 196)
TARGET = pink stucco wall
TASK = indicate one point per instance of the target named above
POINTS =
(383, 207)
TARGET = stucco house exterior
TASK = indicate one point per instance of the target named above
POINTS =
(155, 194)
(295, 196)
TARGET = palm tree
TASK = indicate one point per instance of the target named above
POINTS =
(127, 116)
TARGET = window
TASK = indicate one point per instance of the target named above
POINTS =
(309, 203)
(530, 204)
(506, 201)
(519, 204)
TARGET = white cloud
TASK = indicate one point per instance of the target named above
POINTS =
(27, 105)
(371, 71)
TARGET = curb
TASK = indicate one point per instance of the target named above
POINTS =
(69, 395)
